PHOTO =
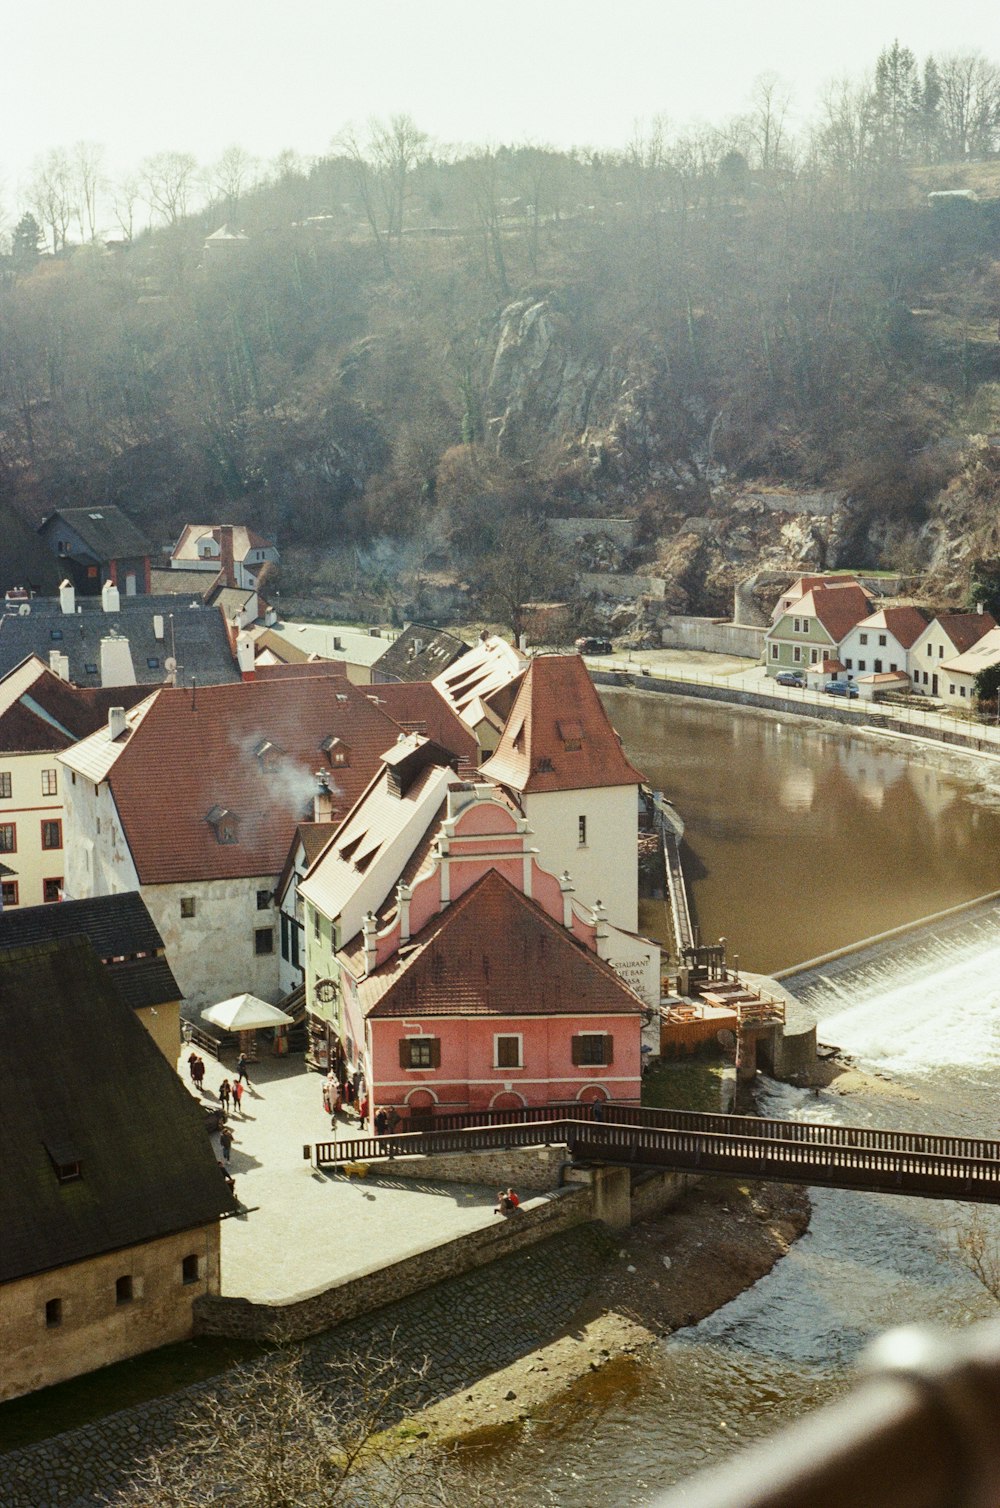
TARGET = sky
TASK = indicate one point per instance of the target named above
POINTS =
(196, 75)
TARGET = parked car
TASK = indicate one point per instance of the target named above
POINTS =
(594, 647)
(840, 688)
(790, 678)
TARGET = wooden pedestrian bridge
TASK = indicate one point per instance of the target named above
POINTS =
(821, 1156)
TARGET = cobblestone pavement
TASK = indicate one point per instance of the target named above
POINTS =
(463, 1329)
(302, 1230)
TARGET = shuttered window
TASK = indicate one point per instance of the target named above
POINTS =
(420, 1052)
(593, 1050)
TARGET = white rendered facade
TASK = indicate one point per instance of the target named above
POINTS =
(601, 855)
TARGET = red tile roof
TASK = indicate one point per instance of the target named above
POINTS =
(966, 629)
(838, 608)
(905, 623)
(29, 725)
(419, 707)
(558, 736)
(496, 953)
(195, 752)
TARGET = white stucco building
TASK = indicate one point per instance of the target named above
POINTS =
(945, 638)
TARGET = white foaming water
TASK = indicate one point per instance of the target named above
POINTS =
(913, 1016)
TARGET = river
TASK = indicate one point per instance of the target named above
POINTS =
(801, 841)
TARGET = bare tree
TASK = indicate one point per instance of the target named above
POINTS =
(268, 1439)
(230, 178)
(167, 181)
(396, 147)
(88, 182)
(51, 195)
(768, 113)
(969, 104)
(126, 196)
(979, 1250)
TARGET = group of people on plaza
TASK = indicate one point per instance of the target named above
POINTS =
(349, 1097)
(230, 1092)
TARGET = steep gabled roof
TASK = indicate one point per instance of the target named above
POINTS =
(965, 629)
(25, 560)
(105, 531)
(420, 653)
(558, 736)
(419, 707)
(837, 608)
(495, 952)
(250, 750)
(40, 712)
(487, 668)
(108, 1100)
(121, 932)
(906, 623)
(982, 655)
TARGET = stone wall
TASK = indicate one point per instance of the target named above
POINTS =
(568, 530)
(713, 635)
(95, 1328)
(654, 1192)
(622, 588)
(535, 1169)
(239, 1318)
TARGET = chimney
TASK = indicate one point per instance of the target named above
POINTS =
(111, 600)
(59, 664)
(116, 722)
(323, 798)
(369, 928)
(158, 627)
(566, 886)
(980, 608)
(522, 643)
(226, 565)
(404, 894)
(116, 662)
(599, 917)
(245, 655)
(67, 597)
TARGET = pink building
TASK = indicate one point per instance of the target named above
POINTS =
(482, 984)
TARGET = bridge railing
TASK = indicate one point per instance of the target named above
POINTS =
(832, 1163)
(872, 1138)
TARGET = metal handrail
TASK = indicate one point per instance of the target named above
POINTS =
(920, 1431)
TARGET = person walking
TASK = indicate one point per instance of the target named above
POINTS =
(230, 1180)
(241, 1067)
(192, 1060)
(238, 1096)
(225, 1094)
(198, 1073)
(381, 1122)
(226, 1141)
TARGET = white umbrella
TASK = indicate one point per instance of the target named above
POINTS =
(244, 1013)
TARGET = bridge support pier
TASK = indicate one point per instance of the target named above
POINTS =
(612, 1196)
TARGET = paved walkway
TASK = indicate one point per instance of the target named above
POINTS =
(301, 1230)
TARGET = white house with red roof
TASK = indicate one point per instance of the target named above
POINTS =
(193, 798)
(957, 683)
(563, 763)
(945, 638)
(809, 633)
(881, 643)
(233, 550)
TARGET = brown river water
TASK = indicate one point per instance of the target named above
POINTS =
(801, 840)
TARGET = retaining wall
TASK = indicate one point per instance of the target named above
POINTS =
(715, 635)
(623, 588)
(241, 1319)
(533, 1168)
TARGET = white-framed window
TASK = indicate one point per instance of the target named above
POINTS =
(951, 691)
(862, 664)
(961, 690)
(774, 651)
(881, 641)
(930, 650)
(50, 782)
(6, 786)
(864, 638)
(508, 1050)
(848, 664)
(592, 1050)
(581, 831)
(187, 907)
(797, 654)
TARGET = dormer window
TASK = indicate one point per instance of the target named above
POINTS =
(66, 1160)
(224, 823)
(337, 752)
(55, 633)
(571, 733)
(544, 765)
(268, 754)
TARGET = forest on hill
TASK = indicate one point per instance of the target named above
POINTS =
(400, 356)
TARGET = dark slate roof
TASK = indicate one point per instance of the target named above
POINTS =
(403, 661)
(116, 926)
(200, 641)
(105, 531)
(25, 559)
(105, 1097)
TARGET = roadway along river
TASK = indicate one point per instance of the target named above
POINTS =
(803, 841)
